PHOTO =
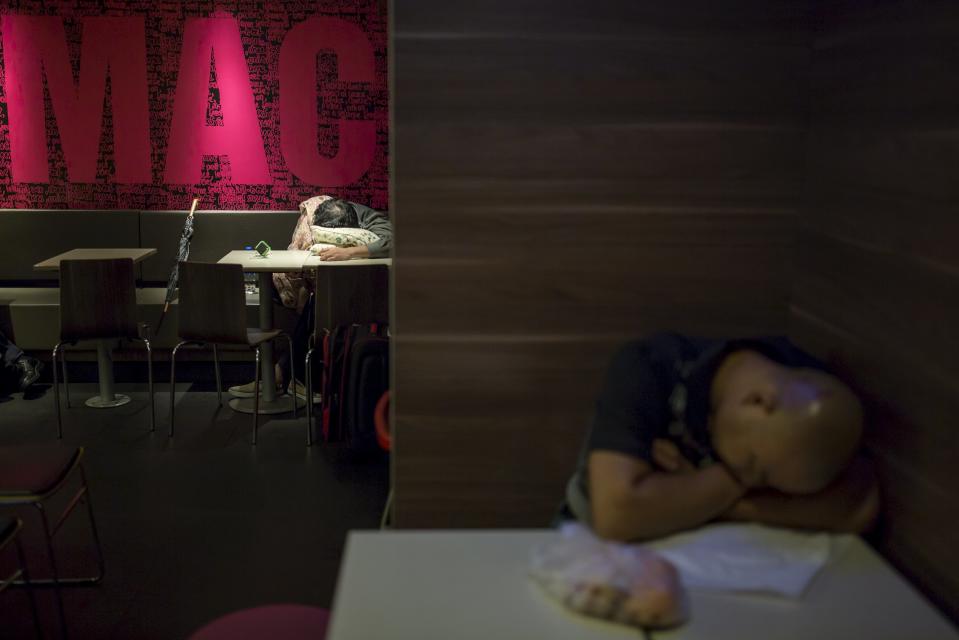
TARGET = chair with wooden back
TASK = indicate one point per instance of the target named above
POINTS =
(345, 295)
(212, 310)
(98, 302)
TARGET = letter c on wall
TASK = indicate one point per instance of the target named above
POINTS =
(299, 122)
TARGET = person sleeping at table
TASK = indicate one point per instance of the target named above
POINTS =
(371, 236)
(334, 229)
(689, 431)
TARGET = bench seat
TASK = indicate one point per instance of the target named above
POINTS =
(31, 316)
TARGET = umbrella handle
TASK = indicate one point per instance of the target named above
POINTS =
(196, 201)
(166, 307)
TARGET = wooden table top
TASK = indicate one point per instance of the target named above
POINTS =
(137, 254)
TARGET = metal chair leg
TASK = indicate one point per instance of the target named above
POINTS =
(173, 382)
(309, 398)
(56, 391)
(101, 564)
(219, 383)
(153, 417)
(387, 517)
(256, 396)
(66, 377)
(289, 340)
(48, 538)
(25, 577)
(81, 496)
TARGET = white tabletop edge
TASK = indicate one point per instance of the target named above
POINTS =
(389, 571)
(314, 261)
(137, 254)
(277, 261)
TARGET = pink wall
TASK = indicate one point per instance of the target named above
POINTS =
(146, 104)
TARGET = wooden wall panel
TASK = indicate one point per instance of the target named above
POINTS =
(757, 20)
(877, 289)
(662, 156)
(568, 176)
(605, 78)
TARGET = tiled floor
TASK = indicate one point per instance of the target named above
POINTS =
(198, 526)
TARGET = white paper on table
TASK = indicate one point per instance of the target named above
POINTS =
(746, 557)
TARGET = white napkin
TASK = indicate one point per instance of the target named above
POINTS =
(746, 557)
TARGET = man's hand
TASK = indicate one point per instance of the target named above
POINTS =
(632, 499)
(667, 457)
(849, 505)
(333, 254)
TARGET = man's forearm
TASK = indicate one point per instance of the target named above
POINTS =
(664, 503)
(849, 505)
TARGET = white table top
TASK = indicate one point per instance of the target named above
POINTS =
(53, 264)
(473, 584)
(287, 260)
(276, 262)
(314, 261)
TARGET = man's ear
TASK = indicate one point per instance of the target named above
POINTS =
(765, 395)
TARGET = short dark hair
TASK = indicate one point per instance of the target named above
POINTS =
(335, 213)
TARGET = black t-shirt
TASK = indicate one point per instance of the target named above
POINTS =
(660, 388)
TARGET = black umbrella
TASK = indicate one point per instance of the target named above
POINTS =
(183, 252)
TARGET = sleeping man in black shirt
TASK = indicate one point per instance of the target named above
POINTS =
(690, 430)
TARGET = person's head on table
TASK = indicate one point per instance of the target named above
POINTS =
(789, 429)
(739, 430)
(337, 213)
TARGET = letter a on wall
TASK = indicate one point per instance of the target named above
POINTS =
(191, 138)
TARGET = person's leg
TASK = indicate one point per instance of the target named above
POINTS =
(301, 341)
(17, 370)
(9, 352)
(301, 338)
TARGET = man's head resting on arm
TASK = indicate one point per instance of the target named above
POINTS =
(789, 429)
(334, 213)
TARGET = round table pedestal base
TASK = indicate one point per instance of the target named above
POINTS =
(99, 403)
(280, 405)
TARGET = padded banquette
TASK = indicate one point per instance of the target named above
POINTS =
(32, 235)
(214, 234)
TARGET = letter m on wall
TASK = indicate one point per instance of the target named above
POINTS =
(35, 47)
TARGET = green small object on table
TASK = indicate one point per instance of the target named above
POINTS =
(262, 248)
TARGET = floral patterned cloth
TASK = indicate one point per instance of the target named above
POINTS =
(343, 236)
(295, 288)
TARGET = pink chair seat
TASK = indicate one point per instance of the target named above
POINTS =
(287, 621)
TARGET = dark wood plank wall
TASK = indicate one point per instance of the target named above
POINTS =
(878, 290)
(567, 176)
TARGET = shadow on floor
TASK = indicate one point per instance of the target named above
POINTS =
(197, 526)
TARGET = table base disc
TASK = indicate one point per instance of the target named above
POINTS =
(99, 403)
(280, 405)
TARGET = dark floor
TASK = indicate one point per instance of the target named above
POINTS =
(194, 527)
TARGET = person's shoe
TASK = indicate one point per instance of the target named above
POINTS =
(245, 390)
(30, 369)
(300, 390)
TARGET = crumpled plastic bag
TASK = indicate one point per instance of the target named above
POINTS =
(622, 583)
